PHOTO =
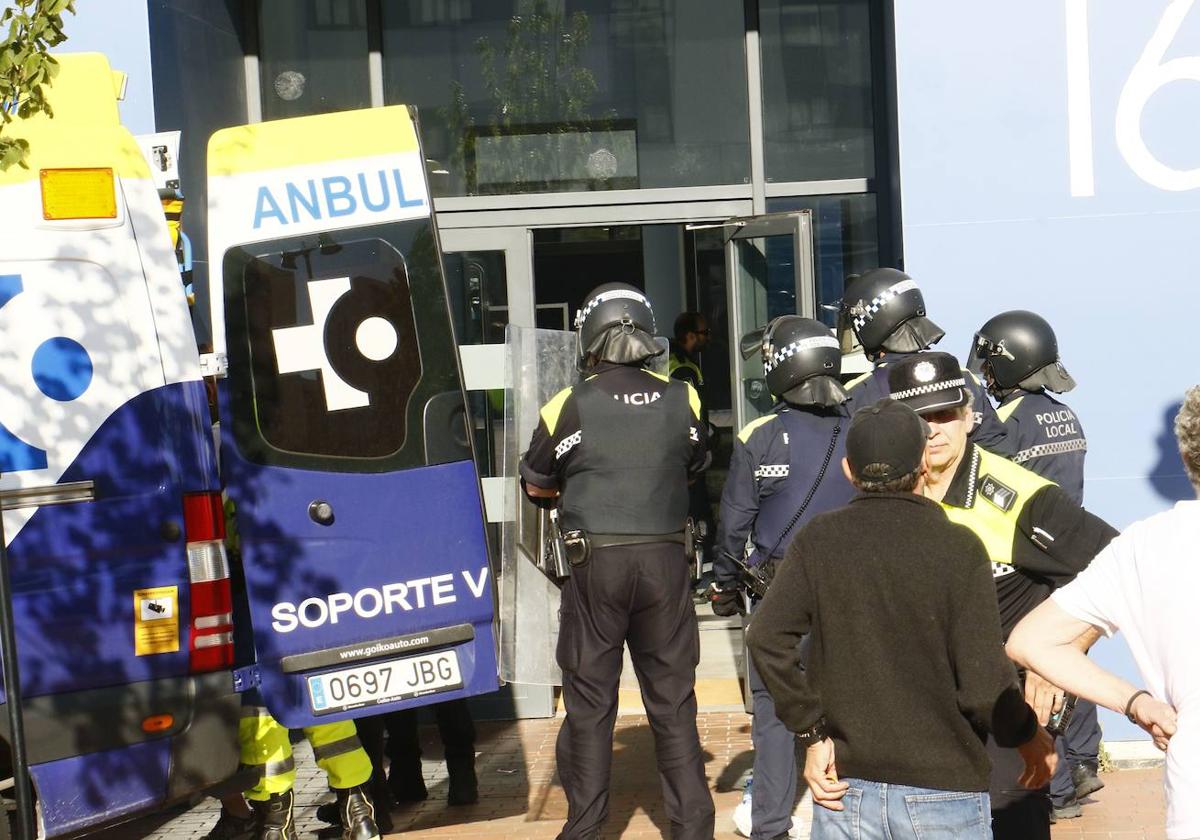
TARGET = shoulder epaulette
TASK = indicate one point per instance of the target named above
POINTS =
(553, 409)
(858, 380)
(748, 429)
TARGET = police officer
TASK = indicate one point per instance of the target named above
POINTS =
(691, 335)
(1016, 353)
(883, 310)
(1036, 536)
(616, 452)
(784, 470)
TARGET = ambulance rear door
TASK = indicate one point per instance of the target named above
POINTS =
(344, 444)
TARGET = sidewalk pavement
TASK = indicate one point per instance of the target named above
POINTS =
(520, 798)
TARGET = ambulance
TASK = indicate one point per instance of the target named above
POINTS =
(346, 470)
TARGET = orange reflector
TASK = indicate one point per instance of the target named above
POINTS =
(158, 723)
(78, 194)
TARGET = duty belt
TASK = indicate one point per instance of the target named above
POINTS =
(578, 545)
(609, 540)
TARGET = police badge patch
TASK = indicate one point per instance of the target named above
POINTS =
(998, 493)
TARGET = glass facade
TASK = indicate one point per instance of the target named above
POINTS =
(580, 96)
(845, 242)
(313, 57)
(817, 104)
(572, 95)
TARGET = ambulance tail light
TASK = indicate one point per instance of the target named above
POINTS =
(210, 646)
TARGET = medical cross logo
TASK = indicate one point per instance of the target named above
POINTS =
(61, 369)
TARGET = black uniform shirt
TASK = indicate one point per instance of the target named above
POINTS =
(779, 456)
(1055, 539)
(1047, 438)
(559, 430)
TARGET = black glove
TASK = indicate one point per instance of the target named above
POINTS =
(725, 602)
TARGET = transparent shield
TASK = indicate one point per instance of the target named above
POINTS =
(539, 363)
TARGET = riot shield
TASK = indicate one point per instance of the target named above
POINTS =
(538, 364)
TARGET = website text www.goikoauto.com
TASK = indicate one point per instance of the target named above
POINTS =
(383, 647)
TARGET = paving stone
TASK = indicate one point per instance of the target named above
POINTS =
(521, 799)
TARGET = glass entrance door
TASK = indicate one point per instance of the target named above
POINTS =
(769, 263)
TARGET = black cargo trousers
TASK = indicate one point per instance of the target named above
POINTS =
(638, 595)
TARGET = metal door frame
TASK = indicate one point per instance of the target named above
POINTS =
(797, 224)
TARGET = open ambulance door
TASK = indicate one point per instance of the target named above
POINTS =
(344, 444)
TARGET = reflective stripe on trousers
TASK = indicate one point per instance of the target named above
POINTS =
(264, 745)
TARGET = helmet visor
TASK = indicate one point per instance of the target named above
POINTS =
(982, 349)
(752, 342)
(976, 355)
(847, 338)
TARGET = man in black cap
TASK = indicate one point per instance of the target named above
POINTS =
(1036, 536)
(783, 472)
(906, 673)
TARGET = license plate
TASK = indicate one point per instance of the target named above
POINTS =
(383, 682)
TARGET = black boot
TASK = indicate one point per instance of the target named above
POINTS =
(331, 812)
(464, 787)
(406, 784)
(358, 814)
(274, 817)
(231, 827)
(1087, 780)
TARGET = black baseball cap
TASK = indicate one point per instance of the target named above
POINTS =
(927, 382)
(886, 441)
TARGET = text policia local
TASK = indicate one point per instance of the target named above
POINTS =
(415, 594)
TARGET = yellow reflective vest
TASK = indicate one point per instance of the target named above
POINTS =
(677, 360)
(997, 492)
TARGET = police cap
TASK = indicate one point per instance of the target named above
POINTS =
(928, 382)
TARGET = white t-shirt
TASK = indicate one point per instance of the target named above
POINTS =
(1146, 584)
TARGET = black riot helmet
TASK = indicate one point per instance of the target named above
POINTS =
(884, 310)
(615, 324)
(1018, 349)
(802, 361)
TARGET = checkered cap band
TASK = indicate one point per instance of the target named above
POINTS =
(883, 299)
(789, 350)
(1000, 570)
(603, 297)
(930, 388)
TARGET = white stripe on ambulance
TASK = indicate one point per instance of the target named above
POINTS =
(369, 602)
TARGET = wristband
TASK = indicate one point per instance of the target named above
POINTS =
(1129, 705)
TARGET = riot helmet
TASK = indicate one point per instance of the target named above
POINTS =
(882, 309)
(1018, 349)
(615, 324)
(802, 361)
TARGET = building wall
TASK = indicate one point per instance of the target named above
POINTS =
(200, 86)
(1002, 210)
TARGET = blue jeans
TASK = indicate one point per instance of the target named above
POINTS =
(880, 811)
